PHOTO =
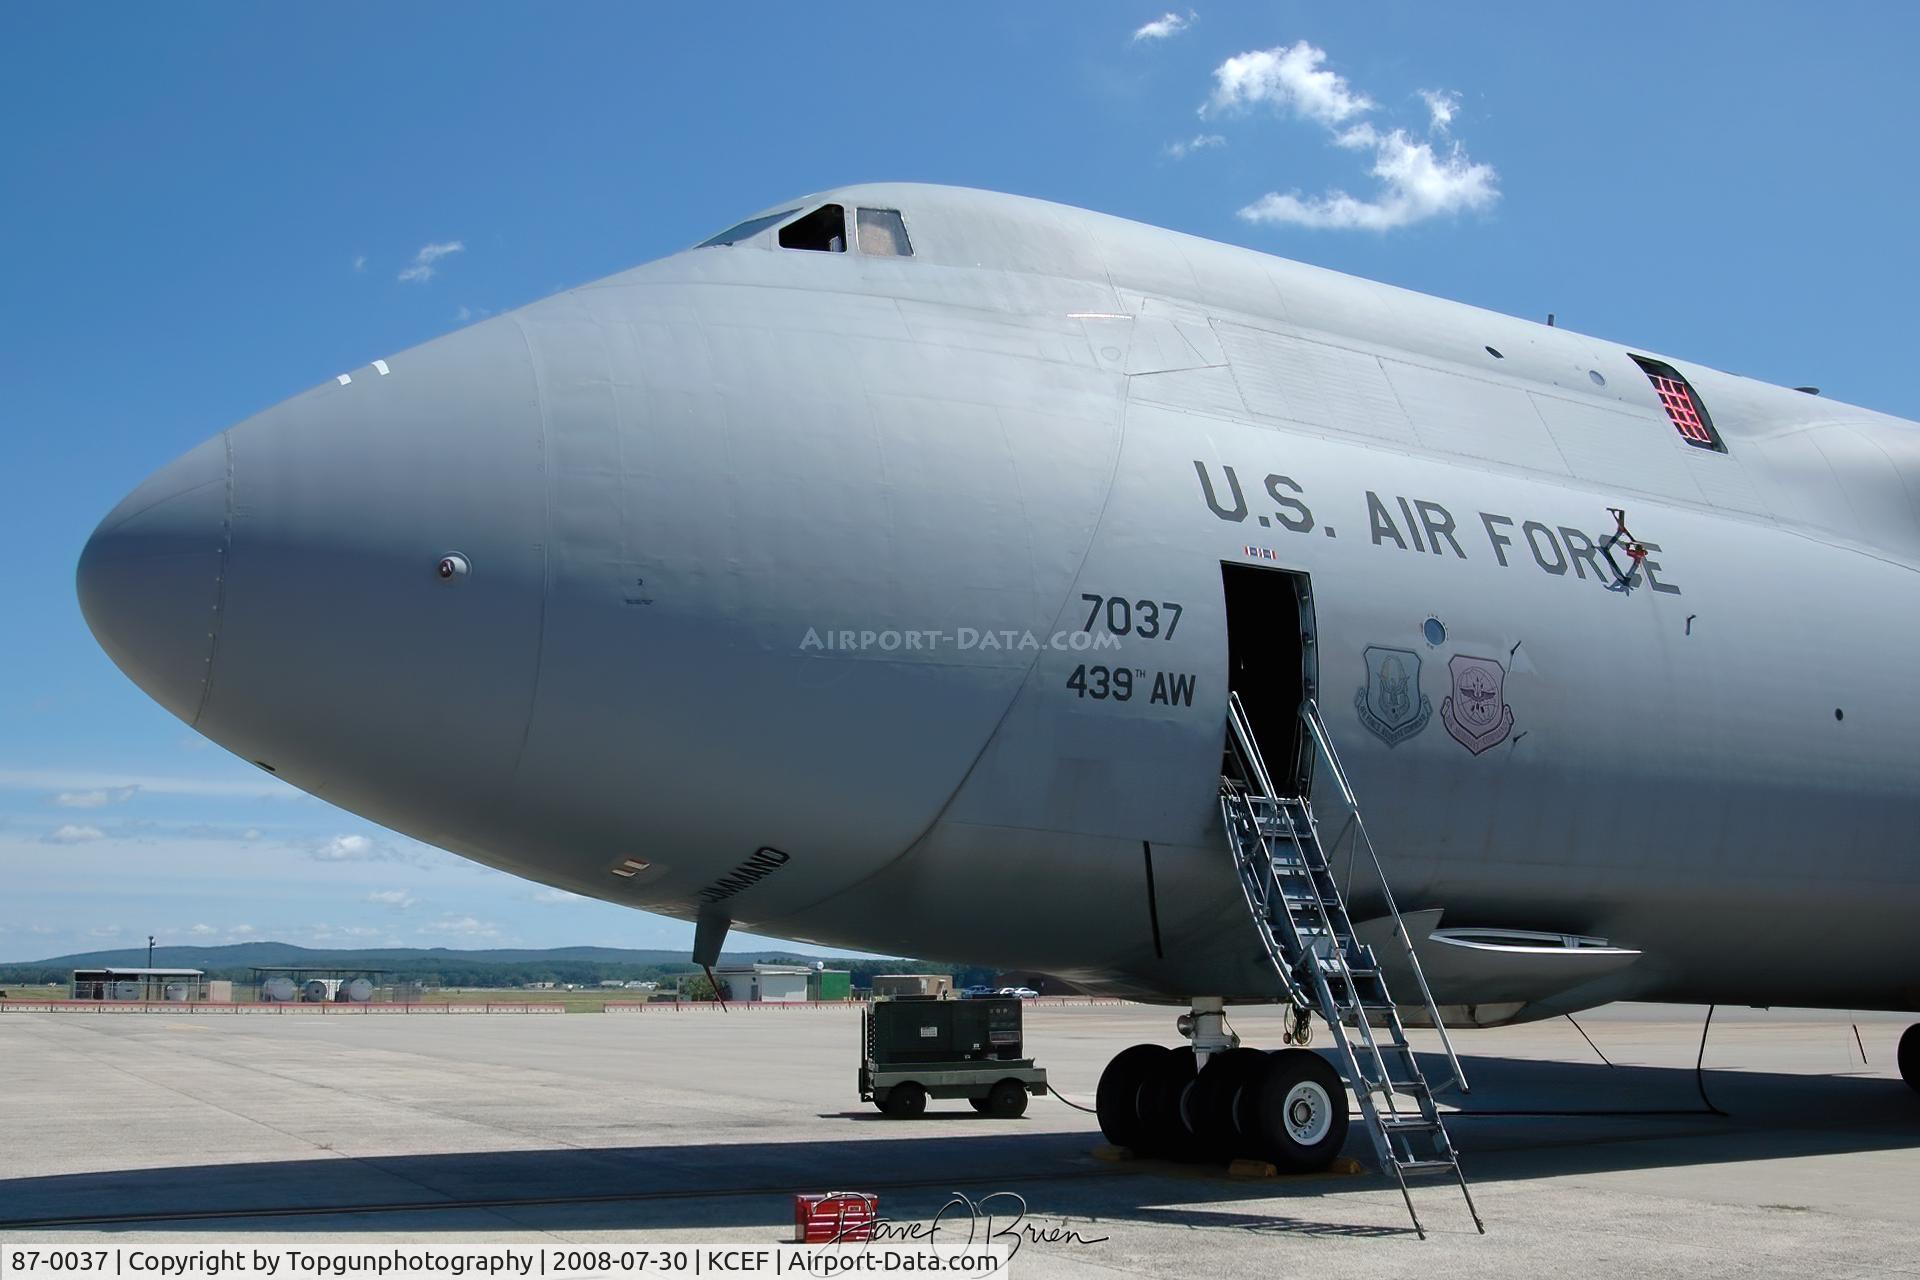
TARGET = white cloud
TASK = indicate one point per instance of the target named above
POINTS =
(554, 897)
(1165, 26)
(1442, 106)
(251, 833)
(1416, 180)
(202, 931)
(242, 931)
(96, 798)
(64, 781)
(360, 262)
(349, 848)
(355, 847)
(338, 932)
(104, 931)
(1199, 142)
(1416, 184)
(423, 269)
(1290, 80)
(73, 833)
(461, 927)
(392, 898)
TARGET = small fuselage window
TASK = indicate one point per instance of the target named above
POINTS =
(883, 234)
(822, 231)
(746, 230)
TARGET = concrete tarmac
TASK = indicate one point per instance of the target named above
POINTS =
(699, 1127)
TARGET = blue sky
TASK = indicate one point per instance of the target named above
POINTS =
(205, 209)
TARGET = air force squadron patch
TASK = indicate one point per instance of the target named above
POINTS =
(1390, 704)
(1476, 712)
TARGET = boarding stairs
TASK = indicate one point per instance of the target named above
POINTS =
(1299, 911)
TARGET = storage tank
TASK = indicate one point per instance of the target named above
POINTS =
(319, 990)
(277, 990)
(359, 991)
(177, 992)
(126, 989)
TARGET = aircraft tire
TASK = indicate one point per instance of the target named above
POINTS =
(1214, 1106)
(1117, 1100)
(1165, 1108)
(1910, 1055)
(1297, 1106)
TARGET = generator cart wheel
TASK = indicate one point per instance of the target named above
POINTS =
(1007, 1100)
(905, 1101)
(983, 1105)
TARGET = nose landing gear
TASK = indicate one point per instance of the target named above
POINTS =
(1288, 1107)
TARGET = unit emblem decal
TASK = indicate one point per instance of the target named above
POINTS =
(1476, 712)
(1390, 704)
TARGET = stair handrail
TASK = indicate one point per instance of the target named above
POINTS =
(1248, 746)
(1262, 911)
(1310, 713)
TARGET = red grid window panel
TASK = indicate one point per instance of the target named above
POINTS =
(1677, 398)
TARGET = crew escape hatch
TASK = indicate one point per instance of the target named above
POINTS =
(1272, 662)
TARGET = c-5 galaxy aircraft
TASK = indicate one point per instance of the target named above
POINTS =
(939, 572)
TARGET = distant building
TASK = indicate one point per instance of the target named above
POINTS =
(768, 983)
(612, 982)
(540, 986)
(830, 984)
(178, 985)
(912, 984)
(638, 985)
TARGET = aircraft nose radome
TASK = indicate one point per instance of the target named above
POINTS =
(149, 578)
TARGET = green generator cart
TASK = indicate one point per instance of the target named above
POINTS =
(917, 1047)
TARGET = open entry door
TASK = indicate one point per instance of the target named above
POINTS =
(1271, 662)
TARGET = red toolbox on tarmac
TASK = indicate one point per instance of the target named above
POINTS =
(834, 1216)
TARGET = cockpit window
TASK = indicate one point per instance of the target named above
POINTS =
(883, 234)
(746, 230)
(823, 231)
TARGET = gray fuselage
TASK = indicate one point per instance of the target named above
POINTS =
(782, 583)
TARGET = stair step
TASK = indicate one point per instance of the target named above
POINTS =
(1411, 1087)
(1419, 1168)
(1408, 1124)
